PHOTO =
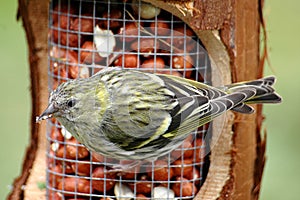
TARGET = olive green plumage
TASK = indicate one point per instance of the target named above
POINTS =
(127, 114)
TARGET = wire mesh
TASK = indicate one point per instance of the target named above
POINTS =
(86, 36)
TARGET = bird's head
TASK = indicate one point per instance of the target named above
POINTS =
(76, 101)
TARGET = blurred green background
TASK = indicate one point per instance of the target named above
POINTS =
(282, 173)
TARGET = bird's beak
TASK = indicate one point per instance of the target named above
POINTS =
(48, 113)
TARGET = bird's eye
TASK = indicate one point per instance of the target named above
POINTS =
(71, 103)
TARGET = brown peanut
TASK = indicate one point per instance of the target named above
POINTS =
(82, 169)
(129, 32)
(186, 147)
(145, 45)
(161, 171)
(111, 20)
(64, 38)
(184, 188)
(130, 61)
(88, 53)
(75, 184)
(154, 64)
(75, 152)
(83, 24)
(56, 135)
(54, 175)
(160, 27)
(181, 168)
(100, 185)
(195, 176)
(143, 185)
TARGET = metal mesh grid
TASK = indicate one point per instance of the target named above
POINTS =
(81, 34)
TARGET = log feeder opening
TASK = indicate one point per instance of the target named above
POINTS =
(85, 37)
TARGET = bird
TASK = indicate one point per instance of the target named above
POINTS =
(136, 115)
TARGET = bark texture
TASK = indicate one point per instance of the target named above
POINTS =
(230, 31)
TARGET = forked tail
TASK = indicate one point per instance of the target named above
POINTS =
(264, 93)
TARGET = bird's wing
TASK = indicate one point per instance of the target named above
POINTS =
(148, 107)
(208, 112)
(187, 87)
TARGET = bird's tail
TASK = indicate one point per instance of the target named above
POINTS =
(264, 93)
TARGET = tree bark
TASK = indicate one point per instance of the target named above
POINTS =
(230, 31)
(34, 15)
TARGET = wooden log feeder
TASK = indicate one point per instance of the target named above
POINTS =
(214, 41)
